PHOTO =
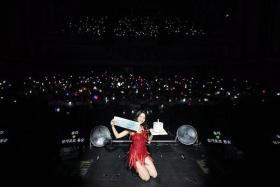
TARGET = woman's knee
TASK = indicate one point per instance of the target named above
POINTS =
(151, 169)
(142, 171)
(154, 174)
(143, 174)
(145, 177)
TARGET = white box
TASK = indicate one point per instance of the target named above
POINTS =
(126, 123)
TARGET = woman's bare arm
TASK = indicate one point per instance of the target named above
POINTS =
(118, 135)
(150, 139)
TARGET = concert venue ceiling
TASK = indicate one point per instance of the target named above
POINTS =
(139, 32)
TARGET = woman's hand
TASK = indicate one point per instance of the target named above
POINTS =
(113, 123)
(118, 135)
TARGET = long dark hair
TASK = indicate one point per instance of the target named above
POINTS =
(145, 125)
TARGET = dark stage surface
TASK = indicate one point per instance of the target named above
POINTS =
(177, 165)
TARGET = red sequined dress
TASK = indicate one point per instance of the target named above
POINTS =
(138, 150)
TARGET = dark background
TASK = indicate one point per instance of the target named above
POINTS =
(248, 35)
(242, 38)
(244, 44)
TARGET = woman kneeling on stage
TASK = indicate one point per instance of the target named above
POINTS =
(138, 156)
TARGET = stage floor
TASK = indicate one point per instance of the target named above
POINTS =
(177, 165)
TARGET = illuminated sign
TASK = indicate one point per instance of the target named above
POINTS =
(218, 138)
(74, 138)
(3, 137)
(276, 139)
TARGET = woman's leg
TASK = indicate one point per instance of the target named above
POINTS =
(142, 171)
(149, 165)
